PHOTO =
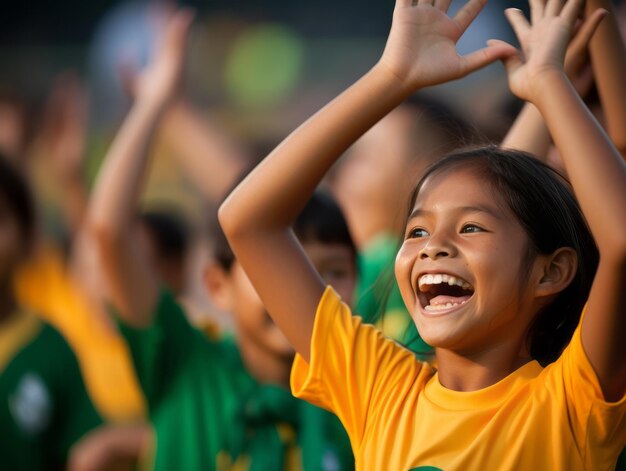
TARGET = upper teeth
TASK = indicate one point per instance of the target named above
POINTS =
(443, 278)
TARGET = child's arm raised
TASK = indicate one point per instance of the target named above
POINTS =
(420, 51)
(595, 168)
(608, 57)
(131, 286)
(529, 131)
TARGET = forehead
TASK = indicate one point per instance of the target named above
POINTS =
(459, 187)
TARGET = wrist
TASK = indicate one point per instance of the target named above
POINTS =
(548, 82)
(393, 80)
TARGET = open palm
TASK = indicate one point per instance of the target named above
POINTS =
(544, 42)
(421, 49)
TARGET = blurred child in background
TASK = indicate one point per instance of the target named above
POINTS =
(44, 407)
(213, 404)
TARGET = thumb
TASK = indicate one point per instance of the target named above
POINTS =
(495, 50)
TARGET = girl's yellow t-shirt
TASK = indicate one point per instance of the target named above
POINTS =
(399, 417)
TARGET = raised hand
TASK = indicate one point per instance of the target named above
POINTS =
(544, 42)
(421, 48)
(160, 82)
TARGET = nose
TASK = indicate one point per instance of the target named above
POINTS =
(436, 248)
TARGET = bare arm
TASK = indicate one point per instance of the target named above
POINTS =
(596, 170)
(211, 159)
(63, 141)
(529, 131)
(608, 56)
(132, 287)
(421, 51)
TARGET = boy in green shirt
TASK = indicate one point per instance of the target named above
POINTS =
(214, 404)
(44, 407)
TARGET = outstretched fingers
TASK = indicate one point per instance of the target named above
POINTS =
(468, 13)
(443, 5)
(176, 33)
(553, 7)
(537, 8)
(572, 10)
(518, 21)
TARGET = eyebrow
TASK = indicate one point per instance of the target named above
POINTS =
(462, 209)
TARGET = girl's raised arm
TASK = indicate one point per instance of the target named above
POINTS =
(256, 218)
(595, 168)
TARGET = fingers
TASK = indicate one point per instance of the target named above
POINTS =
(590, 26)
(518, 21)
(554, 7)
(468, 13)
(537, 8)
(443, 5)
(496, 50)
(572, 10)
(177, 30)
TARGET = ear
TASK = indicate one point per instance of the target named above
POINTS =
(558, 271)
(219, 286)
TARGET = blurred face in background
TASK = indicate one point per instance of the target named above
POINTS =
(233, 292)
(371, 182)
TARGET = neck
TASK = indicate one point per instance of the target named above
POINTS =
(461, 372)
(264, 365)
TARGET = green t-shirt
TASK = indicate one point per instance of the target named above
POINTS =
(210, 414)
(45, 408)
(378, 298)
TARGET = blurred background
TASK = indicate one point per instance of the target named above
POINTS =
(259, 67)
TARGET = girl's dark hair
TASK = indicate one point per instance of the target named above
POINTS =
(546, 208)
(321, 220)
(19, 199)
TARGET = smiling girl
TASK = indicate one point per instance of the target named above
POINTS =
(496, 267)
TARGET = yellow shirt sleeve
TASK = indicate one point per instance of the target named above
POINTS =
(354, 368)
(599, 426)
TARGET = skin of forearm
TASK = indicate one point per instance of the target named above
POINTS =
(608, 56)
(579, 141)
(123, 170)
(298, 165)
(529, 133)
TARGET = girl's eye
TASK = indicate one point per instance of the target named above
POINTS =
(470, 229)
(417, 233)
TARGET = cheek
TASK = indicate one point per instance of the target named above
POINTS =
(403, 270)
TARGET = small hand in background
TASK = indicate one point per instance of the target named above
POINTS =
(63, 134)
(161, 81)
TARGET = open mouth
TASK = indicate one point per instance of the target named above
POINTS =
(439, 292)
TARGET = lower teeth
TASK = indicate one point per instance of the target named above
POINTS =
(441, 307)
